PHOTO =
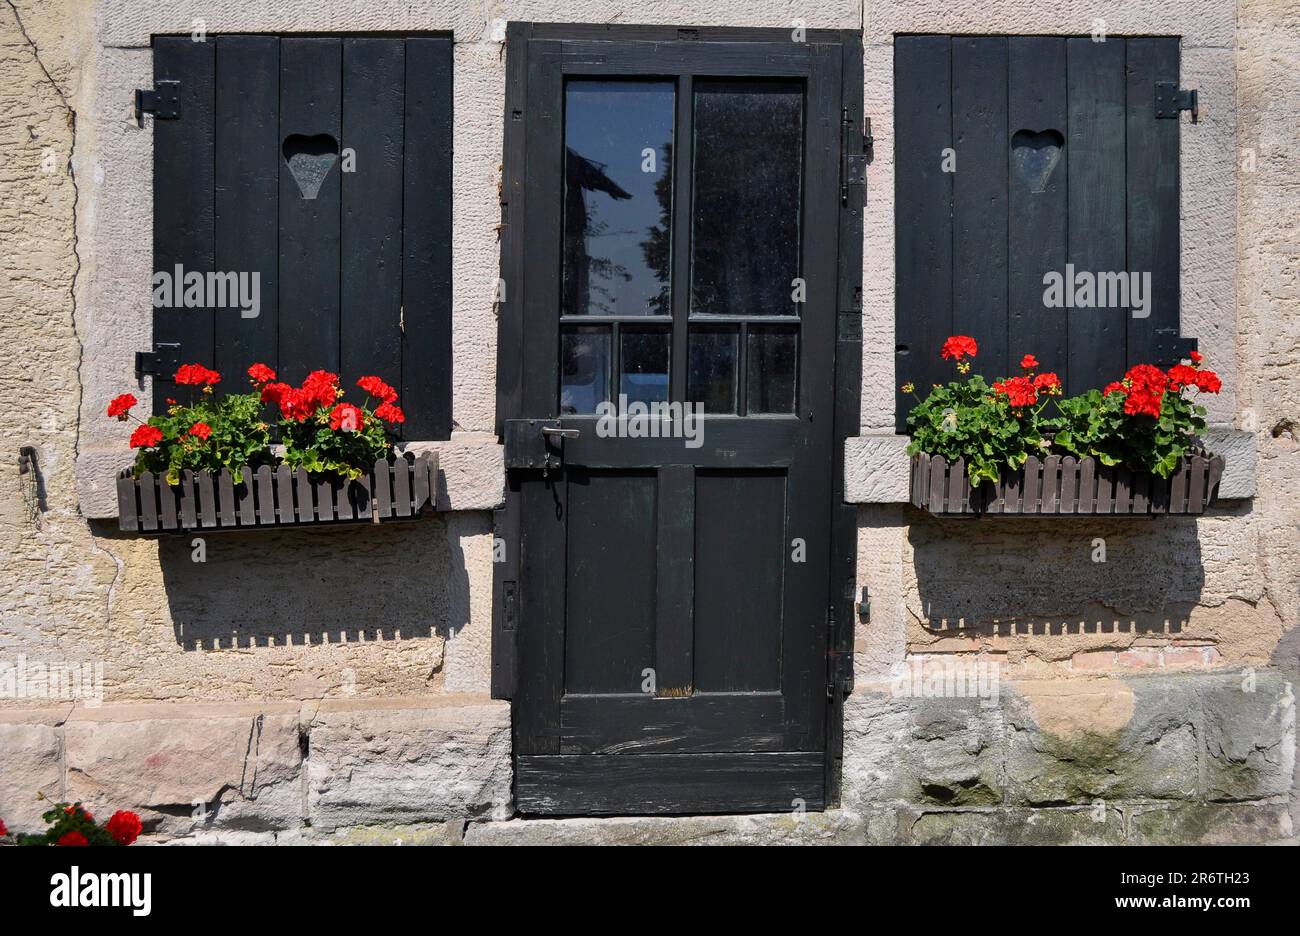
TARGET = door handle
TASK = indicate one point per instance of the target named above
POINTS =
(560, 432)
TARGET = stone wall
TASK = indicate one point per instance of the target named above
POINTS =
(312, 684)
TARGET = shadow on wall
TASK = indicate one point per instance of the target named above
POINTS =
(334, 585)
(1012, 576)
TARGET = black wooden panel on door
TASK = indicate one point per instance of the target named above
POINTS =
(321, 165)
(672, 587)
(1060, 167)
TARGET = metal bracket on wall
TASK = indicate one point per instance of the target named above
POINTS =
(164, 102)
(1170, 100)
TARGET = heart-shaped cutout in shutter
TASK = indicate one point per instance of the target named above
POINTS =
(310, 159)
(1034, 154)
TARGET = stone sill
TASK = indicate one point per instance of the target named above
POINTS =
(877, 466)
(471, 474)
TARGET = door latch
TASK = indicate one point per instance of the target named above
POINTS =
(536, 443)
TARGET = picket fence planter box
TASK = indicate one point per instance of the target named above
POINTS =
(399, 489)
(1065, 486)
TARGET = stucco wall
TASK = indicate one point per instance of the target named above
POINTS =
(404, 611)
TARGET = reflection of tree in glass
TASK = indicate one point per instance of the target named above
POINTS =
(582, 175)
(657, 247)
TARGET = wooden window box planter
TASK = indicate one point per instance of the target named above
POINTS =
(1064, 486)
(399, 489)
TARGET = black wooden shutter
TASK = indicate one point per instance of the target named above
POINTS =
(356, 279)
(972, 245)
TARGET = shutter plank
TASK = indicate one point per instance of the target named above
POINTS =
(1097, 205)
(168, 502)
(247, 141)
(1123, 490)
(979, 199)
(183, 185)
(1036, 92)
(923, 223)
(128, 512)
(1153, 206)
(371, 310)
(1178, 488)
(1105, 489)
(310, 107)
(955, 493)
(324, 500)
(426, 270)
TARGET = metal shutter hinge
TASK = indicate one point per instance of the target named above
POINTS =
(1170, 100)
(162, 361)
(854, 170)
(164, 102)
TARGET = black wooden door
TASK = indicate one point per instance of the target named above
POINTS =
(668, 581)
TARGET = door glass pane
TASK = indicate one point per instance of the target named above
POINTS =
(745, 212)
(618, 143)
(770, 364)
(711, 379)
(584, 369)
(644, 365)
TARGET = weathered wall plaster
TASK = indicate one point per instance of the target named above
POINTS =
(263, 623)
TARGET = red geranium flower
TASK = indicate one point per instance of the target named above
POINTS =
(321, 388)
(1048, 382)
(121, 405)
(390, 413)
(347, 417)
(1146, 387)
(274, 392)
(201, 430)
(261, 374)
(72, 838)
(4, 830)
(1019, 391)
(197, 375)
(1029, 362)
(1113, 387)
(1207, 381)
(1180, 375)
(1196, 357)
(124, 827)
(958, 347)
(377, 389)
(146, 437)
(78, 808)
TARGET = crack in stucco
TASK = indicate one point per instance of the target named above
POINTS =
(75, 245)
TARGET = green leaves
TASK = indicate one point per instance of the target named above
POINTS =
(967, 420)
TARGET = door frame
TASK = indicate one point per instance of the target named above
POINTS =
(854, 154)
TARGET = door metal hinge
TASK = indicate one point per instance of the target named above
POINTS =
(839, 663)
(162, 361)
(164, 102)
(1170, 100)
(853, 174)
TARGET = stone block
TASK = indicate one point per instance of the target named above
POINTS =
(1102, 739)
(31, 755)
(1249, 736)
(189, 767)
(404, 761)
